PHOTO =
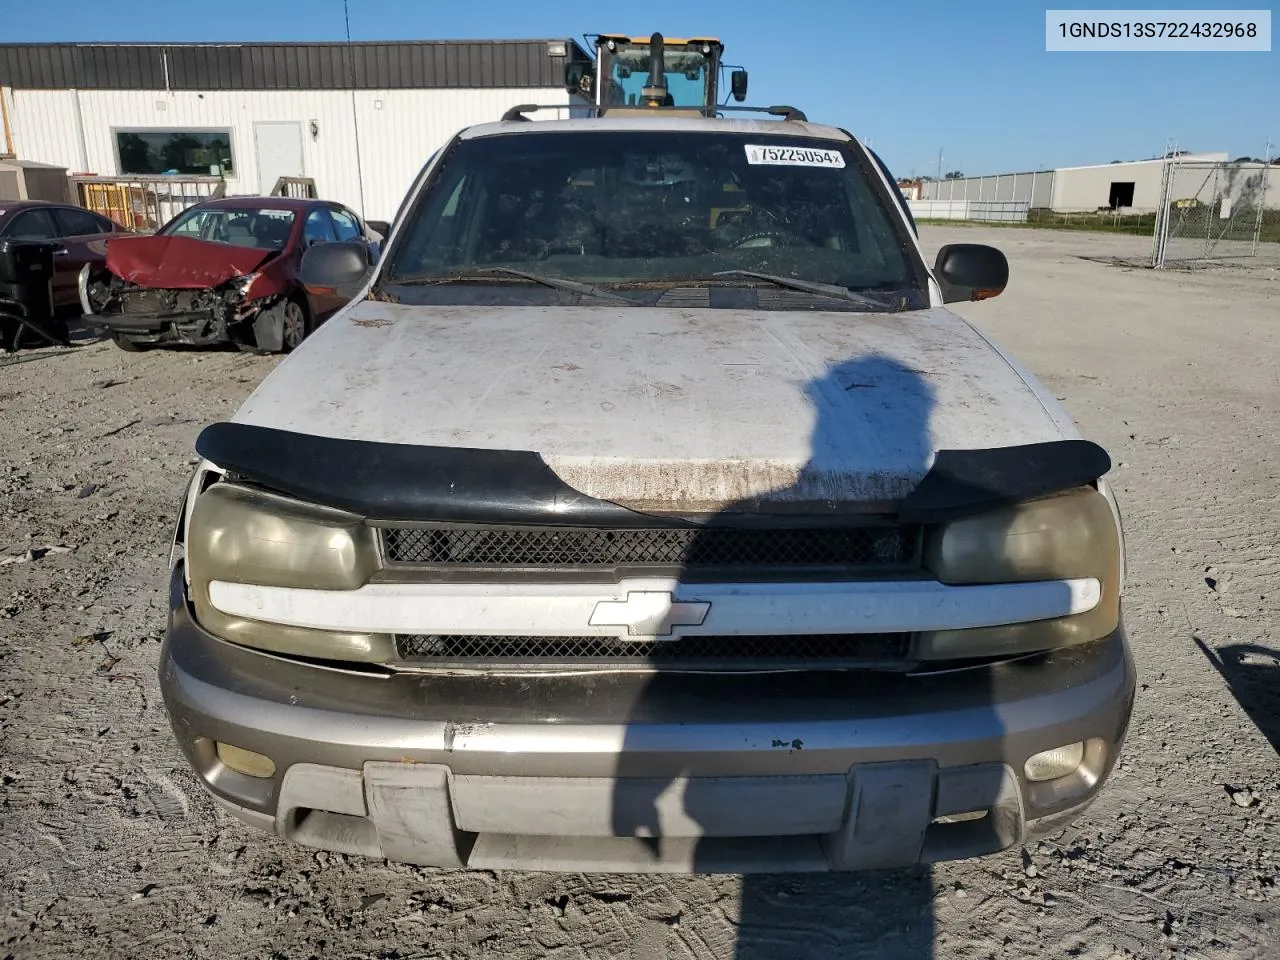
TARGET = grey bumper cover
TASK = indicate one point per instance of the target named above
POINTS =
(647, 774)
(192, 328)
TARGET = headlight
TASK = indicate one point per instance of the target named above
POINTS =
(1070, 535)
(241, 535)
(1105, 489)
(245, 282)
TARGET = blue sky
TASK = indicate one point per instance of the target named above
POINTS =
(971, 79)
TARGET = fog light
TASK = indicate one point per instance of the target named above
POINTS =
(246, 761)
(1055, 763)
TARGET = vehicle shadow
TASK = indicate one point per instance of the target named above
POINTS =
(1252, 673)
(78, 332)
(870, 414)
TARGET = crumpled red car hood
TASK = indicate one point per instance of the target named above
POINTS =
(180, 263)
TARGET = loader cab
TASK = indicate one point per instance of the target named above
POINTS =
(646, 72)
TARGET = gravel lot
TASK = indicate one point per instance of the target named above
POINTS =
(109, 848)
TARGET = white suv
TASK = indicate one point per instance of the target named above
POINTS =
(647, 510)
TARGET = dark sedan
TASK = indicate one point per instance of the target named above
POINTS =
(222, 271)
(81, 236)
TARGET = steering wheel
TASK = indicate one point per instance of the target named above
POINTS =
(777, 240)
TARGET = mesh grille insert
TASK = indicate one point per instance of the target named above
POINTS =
(483, 546)
(153, 302)
(727, 652)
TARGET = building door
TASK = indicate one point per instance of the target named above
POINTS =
(279, 148)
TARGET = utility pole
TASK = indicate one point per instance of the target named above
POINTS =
(939, 163)
(355, 115)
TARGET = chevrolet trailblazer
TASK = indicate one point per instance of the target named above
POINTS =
(648, 510)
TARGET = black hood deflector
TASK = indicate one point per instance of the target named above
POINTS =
(965, 482)
(396, 481)
(392, 481)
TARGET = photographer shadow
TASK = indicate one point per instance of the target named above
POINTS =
(1252, 673)
(871, 436)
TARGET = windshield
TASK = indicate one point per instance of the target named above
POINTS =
(685, 71)
(265, 228)
(652, 207)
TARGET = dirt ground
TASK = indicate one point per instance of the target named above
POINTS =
(109, 848)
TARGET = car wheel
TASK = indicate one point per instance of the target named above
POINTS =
(294, 323)
(279, 329)
(127, 345)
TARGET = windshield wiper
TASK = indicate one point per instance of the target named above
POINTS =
(558, 283)
(807, 286)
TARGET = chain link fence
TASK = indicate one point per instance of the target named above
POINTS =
(1214, 211)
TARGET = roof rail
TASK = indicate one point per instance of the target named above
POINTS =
(779, 110)
(518, 112)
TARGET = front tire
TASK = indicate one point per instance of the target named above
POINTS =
(127, 345)
(287, 324)
(296, 325)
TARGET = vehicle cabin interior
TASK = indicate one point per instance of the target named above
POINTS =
(264, 229)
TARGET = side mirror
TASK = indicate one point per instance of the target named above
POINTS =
(339, 268)
(380, 227)
(738, 84)
(970, 271)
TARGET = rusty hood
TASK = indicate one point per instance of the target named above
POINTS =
(180, 263)
(668, 409)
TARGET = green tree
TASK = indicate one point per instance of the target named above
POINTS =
(135, 155)
(178, 152)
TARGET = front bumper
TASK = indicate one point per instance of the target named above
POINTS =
(193, 329)
(656, 773)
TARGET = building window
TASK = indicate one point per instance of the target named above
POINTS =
(192, 152)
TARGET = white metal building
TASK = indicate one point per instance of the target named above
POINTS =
(1133, 185)
(360, 119)
(1126, 187)
(1032, 187)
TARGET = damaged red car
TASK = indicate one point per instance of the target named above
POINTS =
(222, 271)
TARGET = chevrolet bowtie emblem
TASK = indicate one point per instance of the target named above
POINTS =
(649, 613)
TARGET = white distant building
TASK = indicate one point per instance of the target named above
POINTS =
(1130, 186)
(911, 189)
(252, 112)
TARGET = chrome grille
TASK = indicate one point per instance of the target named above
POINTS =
(684, 549)
(716, 652)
